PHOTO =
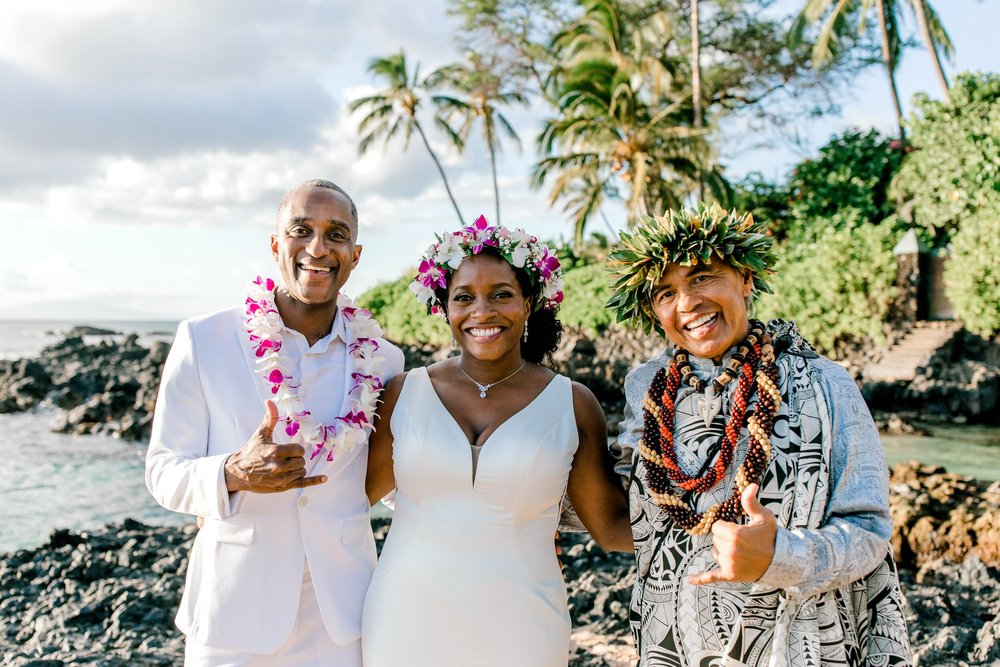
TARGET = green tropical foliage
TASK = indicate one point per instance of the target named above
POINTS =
(620, 131)
(954, 170)
(838, 287)
(972, 275)
(517, 32)
(853, 172)
(587, 290)
(403, 318)
(633, 92)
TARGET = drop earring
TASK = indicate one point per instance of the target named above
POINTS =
(525, 336)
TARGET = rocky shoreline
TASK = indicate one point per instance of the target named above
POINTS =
(110, 386)
(107, 597)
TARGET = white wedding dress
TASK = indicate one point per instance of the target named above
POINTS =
(468, 575)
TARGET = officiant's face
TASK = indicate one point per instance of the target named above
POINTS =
(703, 308)
(315, 244)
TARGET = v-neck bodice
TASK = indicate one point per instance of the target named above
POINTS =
(421, 413)
(487, 544)
(448, 414)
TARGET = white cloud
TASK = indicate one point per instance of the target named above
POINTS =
(144, 146)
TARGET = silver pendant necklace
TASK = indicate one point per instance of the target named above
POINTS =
(483, 388)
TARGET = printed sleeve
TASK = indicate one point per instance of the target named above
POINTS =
(855, 535)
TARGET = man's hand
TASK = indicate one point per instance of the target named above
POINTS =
(742, 552)
(261, 466)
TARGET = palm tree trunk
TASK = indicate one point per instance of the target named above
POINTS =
(890, 66)
(496, 188)
(918, 9)
(437, 163)
(696, 78)
(491, 146)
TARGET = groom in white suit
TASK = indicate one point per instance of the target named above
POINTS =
(279, 571)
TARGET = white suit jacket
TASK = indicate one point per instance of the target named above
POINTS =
(245, 570)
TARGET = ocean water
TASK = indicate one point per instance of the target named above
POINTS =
(53, 480)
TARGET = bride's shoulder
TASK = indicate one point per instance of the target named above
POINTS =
(438, 368)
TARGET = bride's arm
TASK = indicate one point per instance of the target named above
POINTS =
(594, 488)
(381, 480)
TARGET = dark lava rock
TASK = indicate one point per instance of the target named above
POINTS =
(109, 387)
(108, 597)
(953, 612)
(95, 598)
(961, 379)
(87, 330)
(937, 514)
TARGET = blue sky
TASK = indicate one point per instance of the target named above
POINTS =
(144, 146)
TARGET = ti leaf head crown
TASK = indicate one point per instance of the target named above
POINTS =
(687, 237)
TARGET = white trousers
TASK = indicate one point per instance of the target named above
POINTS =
(309, 644)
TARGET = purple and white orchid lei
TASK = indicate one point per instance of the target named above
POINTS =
(264, 326)
(518, 247)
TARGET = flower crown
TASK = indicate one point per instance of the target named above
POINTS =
(686, 237)
(517, 247)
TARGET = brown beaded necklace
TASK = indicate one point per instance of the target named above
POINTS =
(757, 372)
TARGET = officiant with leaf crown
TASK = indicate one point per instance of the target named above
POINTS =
(757, 484)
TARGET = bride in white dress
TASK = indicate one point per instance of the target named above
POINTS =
(480, 449)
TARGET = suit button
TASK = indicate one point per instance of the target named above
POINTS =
(303, 501)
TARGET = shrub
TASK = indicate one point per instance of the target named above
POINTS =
(972, 277)
(846, 185)
(854, 172)
(955, 168)
(586, 289)
(835, 288)
(403, 318)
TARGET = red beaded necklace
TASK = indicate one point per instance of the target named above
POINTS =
(757, 372)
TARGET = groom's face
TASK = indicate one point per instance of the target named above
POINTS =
(315, 244)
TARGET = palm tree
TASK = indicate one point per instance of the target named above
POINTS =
(482, 92)
(696, 73)
(622, 129)
(936, 39)
(393, 111)
(607, 137)
(837, 24)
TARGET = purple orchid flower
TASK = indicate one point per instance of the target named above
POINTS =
(547, 265)
(355, 417)
(482, 233)
(361, 342)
